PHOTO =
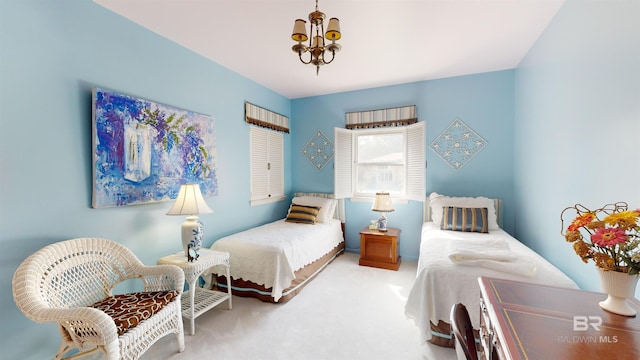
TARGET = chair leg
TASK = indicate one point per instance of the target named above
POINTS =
(66, 343)
(180, 334)
(63, 349)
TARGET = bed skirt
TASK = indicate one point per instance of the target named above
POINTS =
(442, 335)
(244, 288)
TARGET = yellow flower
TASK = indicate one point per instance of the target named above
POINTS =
(624, 219)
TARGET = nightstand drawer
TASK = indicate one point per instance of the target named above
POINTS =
(378, 248)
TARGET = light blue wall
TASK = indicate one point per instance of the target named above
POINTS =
(574, 101)
(52, 53)
(577, 124)
(483, 101)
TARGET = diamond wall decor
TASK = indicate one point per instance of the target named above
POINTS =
(318, 150)
(458, 144)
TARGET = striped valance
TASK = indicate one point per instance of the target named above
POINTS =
(399, 116)
(256, 115)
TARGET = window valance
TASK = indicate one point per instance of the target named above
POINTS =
(399, 116)
(262, 117)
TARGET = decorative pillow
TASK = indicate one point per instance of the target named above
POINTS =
(303, 214)
(437, 203)
(465, 219)
(327, 206)
(128, 310)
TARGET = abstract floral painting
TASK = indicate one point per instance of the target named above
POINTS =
(143, 151)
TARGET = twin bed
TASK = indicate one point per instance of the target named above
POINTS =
(273, 262)
(451, 261)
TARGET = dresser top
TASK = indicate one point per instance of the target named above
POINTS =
(545, 322)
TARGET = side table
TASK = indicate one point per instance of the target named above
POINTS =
(198, 300)
(380, 248)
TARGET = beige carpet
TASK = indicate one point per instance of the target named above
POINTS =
(347, 312)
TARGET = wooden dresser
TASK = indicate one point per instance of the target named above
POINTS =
(528, 321)
(380, 249)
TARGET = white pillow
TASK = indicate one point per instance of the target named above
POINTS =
(327, 206)
(437, 202)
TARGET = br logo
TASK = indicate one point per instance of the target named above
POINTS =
(582, 323)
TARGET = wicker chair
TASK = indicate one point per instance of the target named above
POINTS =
(61, 282)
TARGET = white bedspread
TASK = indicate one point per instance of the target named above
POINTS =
(270, 254)
(440, 283)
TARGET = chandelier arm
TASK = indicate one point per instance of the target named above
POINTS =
(305, 62)
(333, 56)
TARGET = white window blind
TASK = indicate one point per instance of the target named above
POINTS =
(416, 162)
(343, 160)
(413, 165)
(267, 165)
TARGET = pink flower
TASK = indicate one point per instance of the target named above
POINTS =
(608, 236)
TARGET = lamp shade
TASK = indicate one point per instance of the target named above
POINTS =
(382, 202)
(299, 31)
(333, 29)
(318, 41)
(189, 201)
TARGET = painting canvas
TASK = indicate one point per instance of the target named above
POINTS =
(143, 151)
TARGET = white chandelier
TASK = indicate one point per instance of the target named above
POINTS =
(317, 48)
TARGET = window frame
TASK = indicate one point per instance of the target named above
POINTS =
(414, 162)
(357, 166)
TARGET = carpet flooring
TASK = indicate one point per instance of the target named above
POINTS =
(347, 312)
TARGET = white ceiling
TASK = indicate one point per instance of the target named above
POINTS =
(384, 42)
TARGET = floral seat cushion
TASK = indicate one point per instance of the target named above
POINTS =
(128, 310)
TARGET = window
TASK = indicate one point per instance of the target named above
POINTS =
(383, 159)
(267, 165)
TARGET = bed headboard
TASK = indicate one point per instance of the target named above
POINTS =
(426, 211)
(340, 213)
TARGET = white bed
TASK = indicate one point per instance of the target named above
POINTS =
(274, 261)
(448, 269)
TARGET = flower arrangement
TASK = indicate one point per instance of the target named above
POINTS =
(610, 236)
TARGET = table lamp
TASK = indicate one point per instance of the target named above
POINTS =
(382, 203)
(191, 203)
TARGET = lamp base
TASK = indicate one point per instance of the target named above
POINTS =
(382, 223)
(192, 232)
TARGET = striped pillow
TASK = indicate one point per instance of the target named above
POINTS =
(303, 214)
(464, 219)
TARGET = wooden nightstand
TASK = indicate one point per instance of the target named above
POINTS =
(380, 249)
